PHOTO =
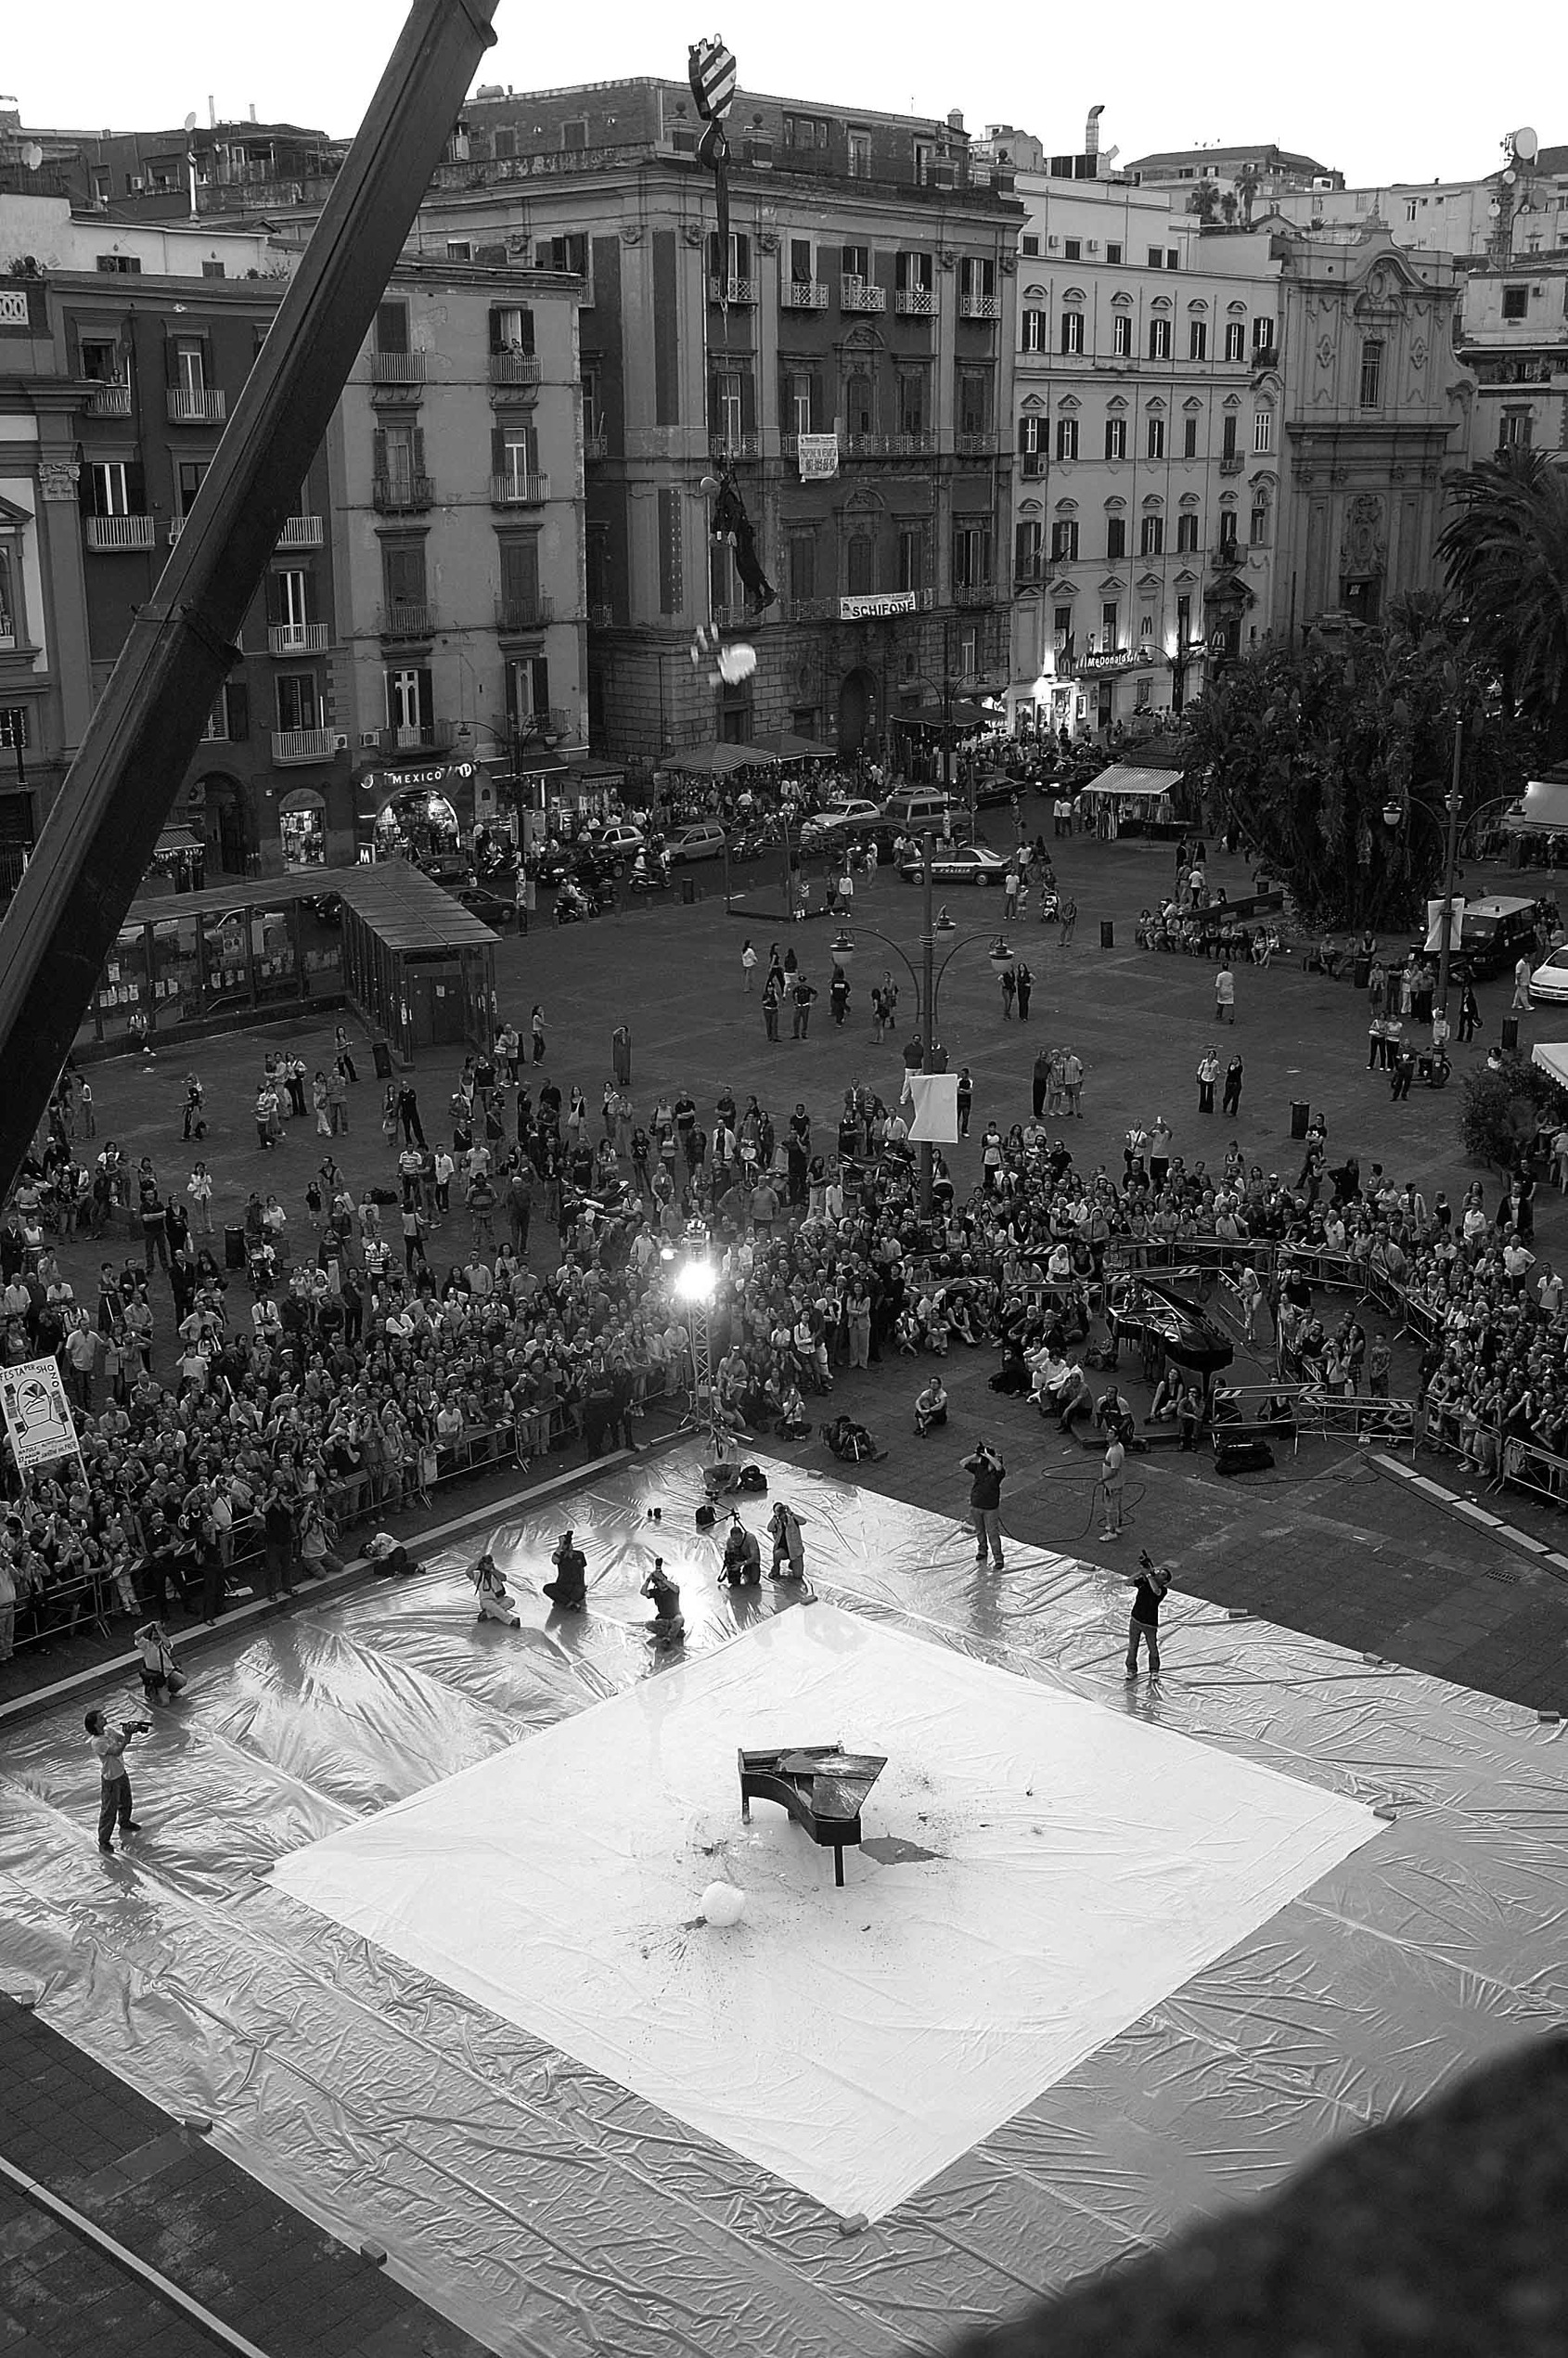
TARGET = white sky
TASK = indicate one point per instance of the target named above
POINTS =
(1365, 85)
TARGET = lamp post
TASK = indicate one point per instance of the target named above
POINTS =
(1392, 813)
(927, 985)
(951, 687)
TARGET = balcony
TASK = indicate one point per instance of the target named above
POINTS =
(524, 614)
(291, 746)
(296, 638)
(810, 610)
(595, 449)
(514, 368)
(302, 532)
(186, 408)
(730, 450)
(1032, 465)
(1232, 462)
(1227, 552)
(975, 446)
(519, 491)
(1028, 573)
(803, 295)
(915, 302)
(109, 535)
(417, 737)
(402, 495)
(601, 618)
(109, 401)
(740, 294)
(920, 445)
(406, 619)
(860, 294)
(405, 369)
(979, 306)
(974, 593)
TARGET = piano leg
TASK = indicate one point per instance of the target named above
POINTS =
(838, 1866)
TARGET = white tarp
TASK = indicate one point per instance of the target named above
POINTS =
(1126, 779)
(1553, 1057)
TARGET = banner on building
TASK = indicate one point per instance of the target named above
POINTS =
(818, 456)
(879, 606)
(38, 1420)
(935, 1098)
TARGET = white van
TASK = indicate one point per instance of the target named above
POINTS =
(915, 808)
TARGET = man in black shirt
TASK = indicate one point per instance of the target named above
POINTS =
(986, 1471)
(1150, 1584)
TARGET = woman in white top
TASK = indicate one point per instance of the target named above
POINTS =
(747, 964)
(199, 1187)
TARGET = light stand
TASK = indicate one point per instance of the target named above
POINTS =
(693, 1286)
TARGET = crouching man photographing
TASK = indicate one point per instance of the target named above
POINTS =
(114, 1803)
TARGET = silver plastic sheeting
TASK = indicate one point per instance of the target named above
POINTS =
(549, 2209)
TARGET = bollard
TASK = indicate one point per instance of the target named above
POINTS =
(1107, 934)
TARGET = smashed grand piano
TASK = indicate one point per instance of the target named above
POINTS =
(823, 1788)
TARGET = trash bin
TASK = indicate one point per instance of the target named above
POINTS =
(1107, 934)
(1511, 1035)
(382, 1055)
(688, 890)
(1301, 1114)
(234, 1248)
(1363, 973)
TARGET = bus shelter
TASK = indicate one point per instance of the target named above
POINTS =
(416, 965)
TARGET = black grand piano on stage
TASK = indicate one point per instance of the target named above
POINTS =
(823, 1788)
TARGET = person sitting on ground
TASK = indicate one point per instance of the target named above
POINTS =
(931, 1406)
(793, 1424)
(852, 1442)
(568, 1589)
(1074, 1399)
(742, 1565)
(496, 1603)
(668, 1625)
(1013, 1375)
(1164, 1408)
(162, 1676)
(1114, 1418)
(1189, 1413)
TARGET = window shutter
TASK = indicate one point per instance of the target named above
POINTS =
(171, 363)
(135, 487)
(427, 699)
(419, 450)
(88, 489)
(391, 326)
(498, 451)
(715, 268)
(497, 342)
(236, 696)
(539, 681)
(525, 328)
(379, 460)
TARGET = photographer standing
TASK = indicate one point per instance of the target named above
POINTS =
(987, 1471)
(114, 1803)
(1151, 1582)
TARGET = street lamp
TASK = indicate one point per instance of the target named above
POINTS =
(927, 985)
(1392, 811)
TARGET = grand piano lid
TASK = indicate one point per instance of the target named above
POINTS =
(839, 1781)
(1190, 1338)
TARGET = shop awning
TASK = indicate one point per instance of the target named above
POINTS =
(176, 839)
(1552, 1058)
(1129, 782)
(594, 770)
(782, 744)
(967, 715)
(1545, 809)
(718, 761)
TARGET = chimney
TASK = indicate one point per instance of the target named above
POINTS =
(252, 110)
(1091, 130)
(955, 119)
(211, 113)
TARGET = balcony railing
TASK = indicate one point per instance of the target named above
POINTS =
(915, 302)
(601, 617)
(301, 532)
(741, 293)
(296, 638)
(921, 445)
(397, 368)
(1027, 571)
(979, 306)
(729, 449)
(1232, 463)
(109, 401)
(860, 294)
(810, 610)
(111, 534)
(417, 737)
(803, 295)
(595, 447)
(975, 446)
(406, 618)
(519, 491)
(524, 614)
(186, 408)
(1227, 552)
(514, 368)
(302, 745)
(398, 495)
(974, 593)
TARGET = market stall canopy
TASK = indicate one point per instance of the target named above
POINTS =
(718, 761)
(1544, 807)
(1552, 1058)
(1127, 780)
(595, 771)
(783, 745)
(967, 713)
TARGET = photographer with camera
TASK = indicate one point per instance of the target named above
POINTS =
(1151, 1583)
(986, 1471)
(114, 1803)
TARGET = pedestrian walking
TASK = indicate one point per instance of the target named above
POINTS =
(409, 1115)
(1521, 986)
(536, 1033)
(621, 1055)
(343, 1054)
(804, 996)
(1025, 989)
(1225, 994)
(1068, 920)
(1041, 1080)
(1072, 1082)
(1469, 1012)
(1009, 992)
(1207, 1077)
(1230, 1103)
(987, 1473)
(771, 997)
(748, 965)
(1151, 1585)
(108, 1741)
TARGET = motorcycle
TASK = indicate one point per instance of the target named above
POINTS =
(654, 878)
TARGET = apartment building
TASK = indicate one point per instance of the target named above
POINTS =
(847, 358)
(1513, 338)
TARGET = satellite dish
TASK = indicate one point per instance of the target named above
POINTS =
(1527, 147)
(32, 155)
(190, 122)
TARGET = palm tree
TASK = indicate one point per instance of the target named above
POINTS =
(1204, 202)
(1248, 181)
(1507, 558)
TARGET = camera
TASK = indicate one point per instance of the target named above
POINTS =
(138, 1727)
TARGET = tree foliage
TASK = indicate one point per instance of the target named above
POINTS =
(1497, 1119)
(1506, 556)
(1305, 748)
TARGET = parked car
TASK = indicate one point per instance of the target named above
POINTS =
(705, 841)
(491, 908)
(969, 864)
(1551, 980)
(1494, 933)
(620, 843)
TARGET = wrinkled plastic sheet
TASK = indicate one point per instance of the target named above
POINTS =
(547, 2205)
